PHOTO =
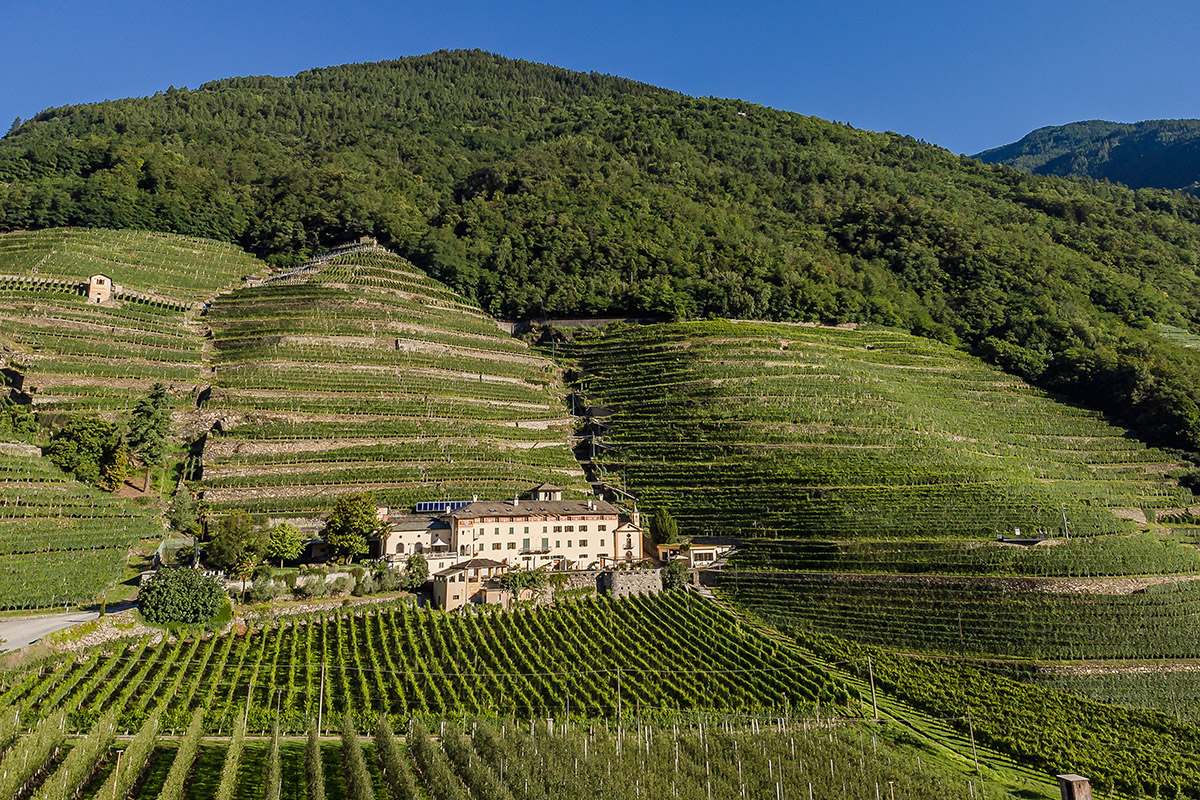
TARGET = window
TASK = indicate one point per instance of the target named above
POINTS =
(496, 546)
(602, 555)
(570, 528)
(513, 545)
(545, 543)
(497, 531)
(569, 543)
(583, 528)
(583, 542)
(583, 557)
(544, 529)
(557, 529)
(456, 597)
(601, 527)
(602, 541)
(510, 529)
(527, 529)
(558, 544)
(524, 544)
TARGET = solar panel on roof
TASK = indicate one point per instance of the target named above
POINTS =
(440, 506)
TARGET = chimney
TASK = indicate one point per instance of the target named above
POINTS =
(637, 516)
(474, 498)
(516, 501)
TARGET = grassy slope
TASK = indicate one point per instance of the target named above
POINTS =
(371, 375)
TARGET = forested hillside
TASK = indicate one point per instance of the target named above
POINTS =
(1159, 153)
(535, 190)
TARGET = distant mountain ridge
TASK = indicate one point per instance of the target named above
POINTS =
(1160, 153)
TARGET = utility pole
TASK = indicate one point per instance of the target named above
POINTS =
(321, 701)
(618, 692)
(871, 675)
(1066, 530)
(974, 753)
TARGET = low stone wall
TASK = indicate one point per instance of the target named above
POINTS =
(17, 450)
(626, 582)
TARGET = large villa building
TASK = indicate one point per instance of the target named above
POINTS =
(541, 531)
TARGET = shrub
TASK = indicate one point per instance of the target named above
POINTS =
(174, 595)
(342, 584)
(389, 580)
(365, 586)
(264, 590)
(312, 588)
(675, 575)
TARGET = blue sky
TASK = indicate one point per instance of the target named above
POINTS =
(963, 75)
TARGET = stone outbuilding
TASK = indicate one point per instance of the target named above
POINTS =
(100, 289)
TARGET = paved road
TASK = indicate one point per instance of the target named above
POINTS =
(19, 632)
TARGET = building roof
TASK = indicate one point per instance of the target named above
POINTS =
(416, 522)
(547, 487)
(474, 563)
(524, 508)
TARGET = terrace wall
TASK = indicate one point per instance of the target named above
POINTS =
(623, 583)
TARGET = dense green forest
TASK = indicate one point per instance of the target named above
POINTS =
(535, 190)
(1158, 153)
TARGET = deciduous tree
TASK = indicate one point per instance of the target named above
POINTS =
(92, 449)
(352, 521)
(236, 540)
(284, 542)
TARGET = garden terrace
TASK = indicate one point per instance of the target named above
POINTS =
(77, 356)
(370, 375)
(789, 431)
(1170, 688)
(61, 542)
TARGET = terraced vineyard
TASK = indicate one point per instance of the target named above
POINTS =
(1170, 688)
(996, 617)
(1139, 753)
(61, 541)
(492, 759)
(650, 696)
(781, 431)
(74, 355)
(369, 375)
(640, 653)
(869, 473)
(184, 269)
